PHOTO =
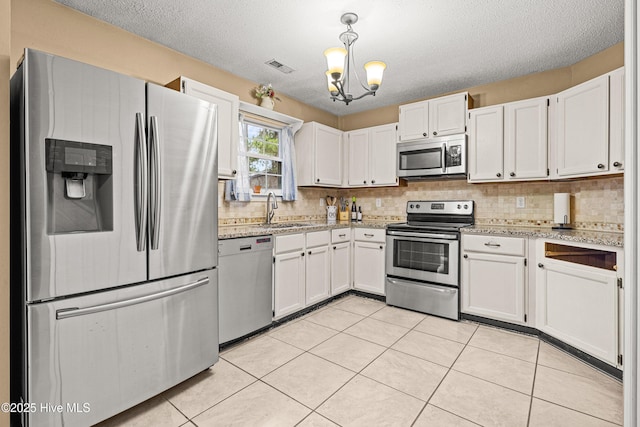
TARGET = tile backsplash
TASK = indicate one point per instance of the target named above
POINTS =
(596, 203)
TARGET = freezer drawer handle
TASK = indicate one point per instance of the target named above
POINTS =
(141, 184)
(75, 311)
(155, 184)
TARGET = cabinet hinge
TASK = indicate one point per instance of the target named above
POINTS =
(184, 86)
(273, 313)
(525, 264)
(620, 359)
(465, 128)
(274, 260)
(547, 171)
(469, 115)
(620, 282)
(548, 102)
(525, 318)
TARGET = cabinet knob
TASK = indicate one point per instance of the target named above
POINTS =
(317, 179)
(435, 133)
(424, 134)
(498, 174)
(373, 181)
(617, 164)
(364, 182)
(512, 174)
(309, 252)
(465, 256)
(600, 166)
(302, 254)
(540, 265)
(381, 247)
(334, 248)
(233, 172)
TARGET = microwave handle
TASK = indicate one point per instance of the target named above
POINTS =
(444, 157)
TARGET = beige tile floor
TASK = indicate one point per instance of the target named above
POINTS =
(358, 362)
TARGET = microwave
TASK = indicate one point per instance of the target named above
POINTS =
(444, 156)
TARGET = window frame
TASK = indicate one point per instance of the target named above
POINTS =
(256, 122)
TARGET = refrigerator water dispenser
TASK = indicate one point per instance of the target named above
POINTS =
(80, 192)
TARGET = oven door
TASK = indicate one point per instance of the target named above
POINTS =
(429, 257)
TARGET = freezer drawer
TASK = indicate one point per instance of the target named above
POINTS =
(112, 350)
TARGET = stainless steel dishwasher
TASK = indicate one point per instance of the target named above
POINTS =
(244, 287)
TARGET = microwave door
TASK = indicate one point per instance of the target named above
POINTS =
(426, 161)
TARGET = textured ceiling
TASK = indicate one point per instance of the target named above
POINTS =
(430, 46)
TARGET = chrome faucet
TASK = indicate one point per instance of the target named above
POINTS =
(274, 205)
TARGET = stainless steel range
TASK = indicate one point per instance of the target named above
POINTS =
(423, 257)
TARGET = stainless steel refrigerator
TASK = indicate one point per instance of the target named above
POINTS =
(114, 245)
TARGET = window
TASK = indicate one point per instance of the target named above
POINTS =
(264, 157)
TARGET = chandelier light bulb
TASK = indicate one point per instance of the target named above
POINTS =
(374, 70)
(335, 61)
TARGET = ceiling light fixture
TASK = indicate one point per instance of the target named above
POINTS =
(340, 60)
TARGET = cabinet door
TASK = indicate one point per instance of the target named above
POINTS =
(486, 144)
(288, 281)
(448, 115)
(318, 275)
(382, 155)
(340, 267)
(493, 286)
(578, 306)
(583, 128)
(414, 121)
(368, 267)
(328, 158)
(228, 108)
(525, 144)
(616, 118)
(358, 152)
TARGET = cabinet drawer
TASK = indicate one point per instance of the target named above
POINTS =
(317, 238)
(370, 234)
(289, 242)
(340, 235)
(494, 244)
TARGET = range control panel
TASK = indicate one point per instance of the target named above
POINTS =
(445, 207)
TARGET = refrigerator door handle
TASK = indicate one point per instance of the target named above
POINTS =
(141, 184)
(155, 184)
(66, 313)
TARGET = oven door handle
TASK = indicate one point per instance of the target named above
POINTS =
(422, 235)
(431, 288)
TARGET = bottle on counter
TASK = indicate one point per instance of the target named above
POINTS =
(359, 214)
(354, 212)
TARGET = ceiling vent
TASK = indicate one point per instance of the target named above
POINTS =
(279, 66)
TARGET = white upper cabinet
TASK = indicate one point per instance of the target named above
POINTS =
(509, 141)
(319, 155)
(616, 120)
(371, 156)
(582, 115)
(486, 142)
(446, 115)
(525, 139)
(414, 121)
(228, 134)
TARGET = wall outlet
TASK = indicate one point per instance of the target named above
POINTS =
(378, 203)
(520, 202)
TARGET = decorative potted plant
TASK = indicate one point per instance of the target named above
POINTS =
(266, 95)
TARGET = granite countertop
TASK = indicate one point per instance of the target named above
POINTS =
(579, 236)
(248, 230)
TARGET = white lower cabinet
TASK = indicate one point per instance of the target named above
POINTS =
(317, 267)
(368, 260)
(288, 275)
(493, 281)
(340, 254)
(577, 303)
